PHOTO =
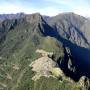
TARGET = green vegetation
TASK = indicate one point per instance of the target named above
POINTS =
(20, 39)
(56, 72)
(17, 51)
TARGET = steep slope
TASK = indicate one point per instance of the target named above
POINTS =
(68, 26)
(65, 35)
(19, 39)
(73, 31)
(11, 16)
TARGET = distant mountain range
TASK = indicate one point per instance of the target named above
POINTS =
(67, 35)
(11, 16)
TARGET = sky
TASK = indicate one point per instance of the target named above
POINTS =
(45, 7)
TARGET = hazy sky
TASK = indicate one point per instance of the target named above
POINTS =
(46, 7)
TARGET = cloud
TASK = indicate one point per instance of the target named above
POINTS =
(84, 11)
(15, 7)
(60, 1)
(46, 7)
(81, 7)
(51, 11)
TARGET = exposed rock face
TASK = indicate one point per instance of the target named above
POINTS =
(44, 66)
(69, 27)
(84, 83)
(34, 18)
(86, 30)
(44, 53)
(70, 66)
(23, 35)
(11, 16)
(73, 31)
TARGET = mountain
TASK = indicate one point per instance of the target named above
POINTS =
(63, 43)
(73, 32)
(11, 16)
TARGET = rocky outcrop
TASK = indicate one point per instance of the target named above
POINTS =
(21, 36)
(44, 53)
(45, 66)
(84, 82)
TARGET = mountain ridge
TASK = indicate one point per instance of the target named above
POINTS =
(66, 35)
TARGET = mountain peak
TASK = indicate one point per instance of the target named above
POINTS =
(66, 13)
(34, 18)
(63, 42)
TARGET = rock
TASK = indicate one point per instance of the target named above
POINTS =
(70, 66)
(15, 67)
(45, 66)
(84, 83)
(44, 53)
(57, 72)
